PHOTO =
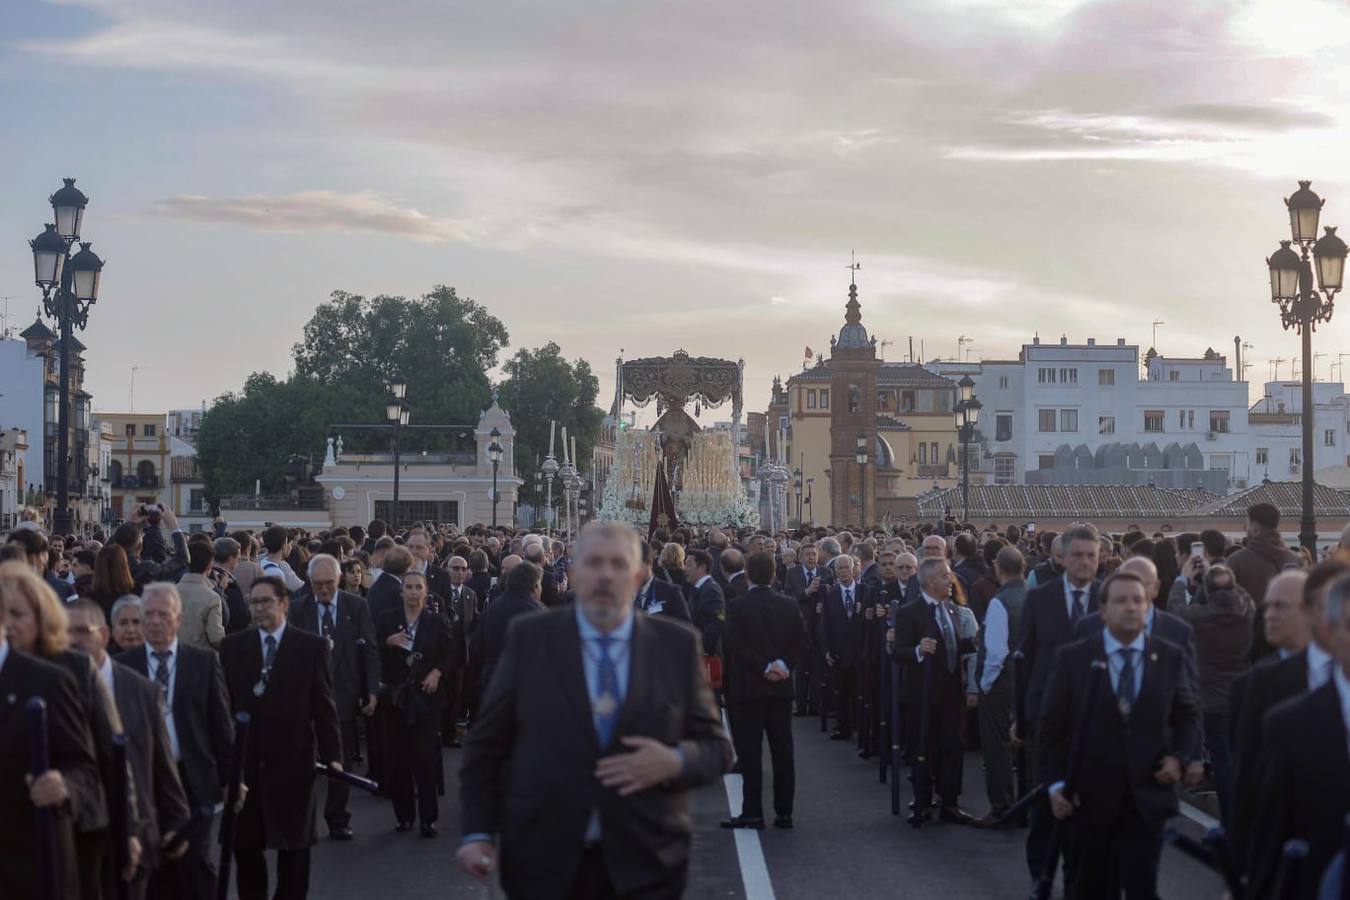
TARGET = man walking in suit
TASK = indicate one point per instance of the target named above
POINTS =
(161, 804)
(1048, 617)
(926, 635)
(732, 562)
(461, 608)
(591, 801)
(1304, 790)
(1144, 731)
(765, 639)
(802, 585)
(657, 597)
(201, 733)
(707, 605)
(343, 620)
(386, 592)
(280, 676)
(522, 594)
(424, 561)
(993, 670)
(841, 631)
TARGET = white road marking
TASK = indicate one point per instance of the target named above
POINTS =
(1199, 817)
(754, 870)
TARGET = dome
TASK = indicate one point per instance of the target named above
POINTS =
(853, 336)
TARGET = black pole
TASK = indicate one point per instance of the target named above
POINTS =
(39, 761)
(64, 299)
(495, 466)
(918, 766)
(965, 473)
(398, 423)
(1308, 525)
(121, 827)
(227, 821)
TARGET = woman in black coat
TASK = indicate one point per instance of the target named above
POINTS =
(418, 651)
(480, 579)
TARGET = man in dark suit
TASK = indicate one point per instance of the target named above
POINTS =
(841, 633)
(1049, 614)
(707, 604)
(161, 804)
(732, 562)
(657, 597)
(765, 639)
(869, 573)
(343, 620)
(802, 585)
(386, 592)
(623, 725)
(1143, 739)
(424, 561)
(73, 773)
(522, 591)
(200, 730)
(461, 608)
(280, 676)
(926, 635)
(1304, 790)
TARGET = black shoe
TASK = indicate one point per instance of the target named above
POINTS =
(403, 826)
(453, 743)
(841, 735)
(755, 822)
(955, 815)
(428, 829)
(801, 713)
(783, 822)
(866, 754)
(341, 833)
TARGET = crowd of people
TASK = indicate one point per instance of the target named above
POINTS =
(1095, 674)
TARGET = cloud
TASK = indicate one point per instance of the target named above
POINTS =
(315, 211)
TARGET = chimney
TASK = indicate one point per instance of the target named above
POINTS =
(1120, 342)
(1036, 341)
(1064, 340)
(1092, 342)
(1237, 356)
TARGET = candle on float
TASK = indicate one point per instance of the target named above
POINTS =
(564, 437)
(574, 450)
(552, 424)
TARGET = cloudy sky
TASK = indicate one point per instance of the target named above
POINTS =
(654, 176)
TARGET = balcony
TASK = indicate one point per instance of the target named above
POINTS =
(136, 482)
(931, 471)
(250, 502)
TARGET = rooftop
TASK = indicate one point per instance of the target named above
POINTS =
(1056, 501)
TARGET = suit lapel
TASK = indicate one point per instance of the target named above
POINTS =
(567, 651)
(641, 650)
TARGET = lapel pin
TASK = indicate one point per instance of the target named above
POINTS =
(11, 699)
(1153, 657)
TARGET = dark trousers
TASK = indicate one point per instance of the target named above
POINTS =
(1116, 857)
(750, 722)
(190, 877)
(335, 802)
(413, 758)
(943, 753)
(592, 882)
(802, 679)
(1221, 759)
(1041, 823)
(995, 719)
(91, 850)
(250, 867)
(844, 681)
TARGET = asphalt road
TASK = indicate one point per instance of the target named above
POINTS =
(846, 844)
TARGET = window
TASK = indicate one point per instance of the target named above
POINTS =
(1068, 376)
(1046, 420)
(854, 399)
(923, 454)
(884, 400)
(824, 399)
(1263, 456)
(1106, 424)
(1295, 456)
(131, 431)
(1068, 420)
(1046, 376)
(907, 401)
(197, 500)
(1003, 386)
(1046, 461)
(148, 430)
(1218, 422)
(1174, 375)
(1190, 418)
(1329, 439)
(418, 511)
(1003, 427)
(1003, 469)
(1181, 418)
(782, 423)
(810, 399)
(933, 453)
(1153, 420)
(1106, 377)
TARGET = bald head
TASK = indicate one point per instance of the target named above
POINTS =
(1287, 623)
(1143, 568)
(509, 563)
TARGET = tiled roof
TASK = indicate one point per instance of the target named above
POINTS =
(1286, 496)
(890, 423)
(1032, 501)
(38, 330)
(888, 375)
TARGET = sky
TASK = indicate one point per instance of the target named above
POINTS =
(646, 177)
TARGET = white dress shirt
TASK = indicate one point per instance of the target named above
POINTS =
(995, 643)
(1320, 665)
(105, 672)
(1085, 593)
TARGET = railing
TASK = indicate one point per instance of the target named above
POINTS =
(932, 471)
(250, 502)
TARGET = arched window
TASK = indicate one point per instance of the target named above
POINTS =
(115, 473)
(145, 473)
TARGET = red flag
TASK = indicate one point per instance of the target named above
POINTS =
(809, 354)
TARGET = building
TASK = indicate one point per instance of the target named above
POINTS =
(899, 414)
(450, 487)
(187, 487)
(139, 467)
(23, 372)
(184, 424)
(13, 444)
(1276, 422)
(1083, 414)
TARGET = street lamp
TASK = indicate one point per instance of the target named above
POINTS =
(495, 454)
(69, 289)
(797, 487)
(1301, 308)
(861, 457)
(966, 413)
(397, 413)
(809, 505)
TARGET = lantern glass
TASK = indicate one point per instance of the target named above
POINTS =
(1285, 266)
(399, 388)
(392, 410)
(967, 385)
(1329, 253)
(973, 407)
(85, 271)
(495, 452)
(49, 258)
(403, 416)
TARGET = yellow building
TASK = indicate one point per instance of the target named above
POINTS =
(139, 468)
(899, 413)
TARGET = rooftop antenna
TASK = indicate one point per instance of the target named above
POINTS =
(853, 267)
(131, 391)
(1316, 356)
(1339, 364)
(5, 329)
(883, 345)
(1246, 360)
(1275, 367)
(1156, 323)
(961, 341)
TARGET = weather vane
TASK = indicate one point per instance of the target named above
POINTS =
(853, 267)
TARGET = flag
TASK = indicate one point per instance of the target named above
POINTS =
(809, 354)
(663, 503)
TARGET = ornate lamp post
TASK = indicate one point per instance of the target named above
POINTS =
(549, 471)
(495, 454)
(396, 412)
(797, 487)
(861, 457)
(69, 286)
(809, 505)
(1301, 308)
(966, 413)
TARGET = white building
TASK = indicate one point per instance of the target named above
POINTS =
(1082, 414)
(22, 377)
(13, 443)
(1277, 432)
(185, 423)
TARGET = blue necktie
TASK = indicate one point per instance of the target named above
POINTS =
(607, 699)
(1125, 687)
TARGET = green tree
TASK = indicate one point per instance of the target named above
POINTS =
(539, 386)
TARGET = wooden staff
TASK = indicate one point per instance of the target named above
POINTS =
(39, 761)
(121, 827)
(354, 780)
(1041, 890)
(918, 771)
(883, 707)
(227, 821)
(897, 734)
(1019, 661)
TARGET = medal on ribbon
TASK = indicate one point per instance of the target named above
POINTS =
(606, 704)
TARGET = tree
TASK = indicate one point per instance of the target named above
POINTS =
(539, 386)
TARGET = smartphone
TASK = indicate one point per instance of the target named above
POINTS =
(1031, 528)
(1197, 550)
